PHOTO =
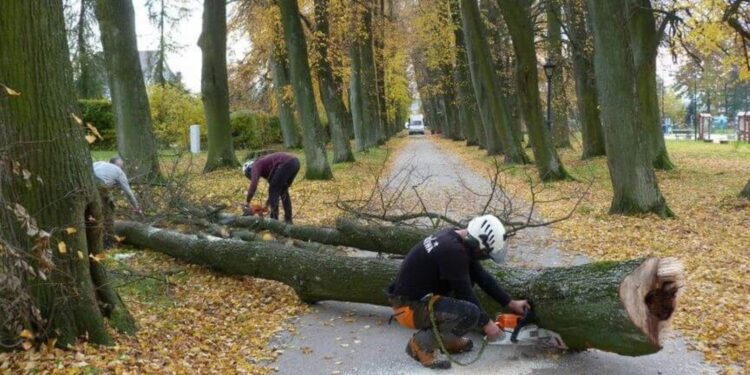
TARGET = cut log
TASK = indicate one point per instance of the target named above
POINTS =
(621, 307)
(383, 239)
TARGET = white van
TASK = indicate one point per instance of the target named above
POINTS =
(416, 124)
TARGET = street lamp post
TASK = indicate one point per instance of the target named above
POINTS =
(549, 68)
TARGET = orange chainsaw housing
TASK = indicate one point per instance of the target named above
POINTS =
(507, 321)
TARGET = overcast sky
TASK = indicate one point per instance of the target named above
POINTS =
(187, 59)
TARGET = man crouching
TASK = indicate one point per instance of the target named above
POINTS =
(444, 267)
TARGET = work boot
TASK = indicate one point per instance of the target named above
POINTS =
(456, 345)
(429, 359)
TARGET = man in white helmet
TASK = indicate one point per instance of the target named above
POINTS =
(444, 267)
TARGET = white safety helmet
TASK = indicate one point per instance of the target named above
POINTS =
(490, 233)
(247, 168)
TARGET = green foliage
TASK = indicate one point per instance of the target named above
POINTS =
(254, 130)
(98, 112)
(173, 111)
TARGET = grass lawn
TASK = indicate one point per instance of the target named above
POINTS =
(710, 235)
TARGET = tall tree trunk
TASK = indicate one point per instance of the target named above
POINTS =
(560, 132)
(280, 76)
(162, 49)
(47, 183)
(368, 79)
(622, 307)
(645, 39)
(633, 179)
(215, 87)
(378, 43)
(517, 16)
(492, 107)
(87, 84)
(355, 99)
(135, 135)
(330, 89)
(468, 113)
(583, 70)
(316, 161)
(745, 193)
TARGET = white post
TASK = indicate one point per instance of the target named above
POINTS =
(195, 139)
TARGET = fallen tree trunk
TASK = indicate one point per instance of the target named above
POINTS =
(621, 307)
(383, 239)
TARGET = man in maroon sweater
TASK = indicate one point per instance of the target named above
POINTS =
(279, 169)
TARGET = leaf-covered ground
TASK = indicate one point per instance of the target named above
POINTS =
(710, 235)
(190, 319)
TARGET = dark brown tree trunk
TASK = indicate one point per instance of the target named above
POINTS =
(645, 38)
(47, 190)
(280, 76)
(356, 98)
(517, 16)
(215, 87)
(316, 161)
(135, 136)
(368, 79)
(560, 132)
(745, 193)
(622, 307)
(583, 70)
(493, 107)
(633, 179)
(330, 89)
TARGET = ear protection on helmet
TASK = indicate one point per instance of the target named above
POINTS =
(471, 242)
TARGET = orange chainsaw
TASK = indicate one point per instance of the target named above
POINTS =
(518, 330)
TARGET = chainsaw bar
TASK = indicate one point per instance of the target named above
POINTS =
(530, 335)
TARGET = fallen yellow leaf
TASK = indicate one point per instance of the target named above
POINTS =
(98, 257)
(10, 91)
(94, 130)
(26, 334)
(119, 239)
(267, 237)
(70, 230)
(90, 138)
(80, 255)
(62, 248)
(26, 345)
(78, 119)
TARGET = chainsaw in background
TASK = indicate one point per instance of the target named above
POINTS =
(518, 330)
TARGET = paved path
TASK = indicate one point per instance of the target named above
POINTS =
(346, 338)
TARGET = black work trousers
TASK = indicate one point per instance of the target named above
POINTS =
(453, 317)
(278, 188)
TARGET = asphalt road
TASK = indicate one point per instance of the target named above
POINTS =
(346, 338)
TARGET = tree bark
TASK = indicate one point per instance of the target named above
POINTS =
(492, 108)
(745, 193)
(630, 168)
(316, 161)
(355, 99)
(518, 18)
(645, 38)
(135, 135)
(622, 307)
(468, 113)
(47, 181)
(370, 110)
(583, 70)
(560, 132)
(88, 83)
(378, 48)
(280, 76)
(385, 239)
(215, 87)
(330, 89)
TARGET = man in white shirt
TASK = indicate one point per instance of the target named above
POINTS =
(108, 176)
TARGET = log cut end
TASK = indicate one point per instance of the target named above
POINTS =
(649, 295)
